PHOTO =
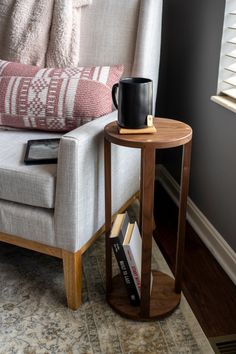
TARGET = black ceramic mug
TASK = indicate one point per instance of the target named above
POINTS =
(135, 95)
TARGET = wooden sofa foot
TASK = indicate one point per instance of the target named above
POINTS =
(72, 266)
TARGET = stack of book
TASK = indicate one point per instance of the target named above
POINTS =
(127, 246)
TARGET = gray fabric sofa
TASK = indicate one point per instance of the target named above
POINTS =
(59, 209)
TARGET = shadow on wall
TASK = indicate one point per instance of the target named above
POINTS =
(191, 40)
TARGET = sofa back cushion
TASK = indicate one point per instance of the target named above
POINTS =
(54, 99)
(117, 42)
(131, 35)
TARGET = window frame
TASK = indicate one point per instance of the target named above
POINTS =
(226, 87)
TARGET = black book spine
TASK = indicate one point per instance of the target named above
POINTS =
(125, 271)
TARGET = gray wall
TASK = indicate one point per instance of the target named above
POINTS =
(191, 40)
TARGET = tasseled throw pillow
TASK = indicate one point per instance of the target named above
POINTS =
(54, 99)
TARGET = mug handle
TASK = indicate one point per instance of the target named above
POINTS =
(114, 91)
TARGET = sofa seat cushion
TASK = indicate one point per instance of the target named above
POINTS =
(32, 185)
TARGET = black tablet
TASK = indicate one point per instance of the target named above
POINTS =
(41, 151)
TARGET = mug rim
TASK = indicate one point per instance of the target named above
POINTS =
(135, 79)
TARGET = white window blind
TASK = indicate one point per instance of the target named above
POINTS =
(227, 68)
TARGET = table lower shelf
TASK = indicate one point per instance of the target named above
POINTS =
(164, 299)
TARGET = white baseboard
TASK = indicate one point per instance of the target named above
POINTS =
(220, 249)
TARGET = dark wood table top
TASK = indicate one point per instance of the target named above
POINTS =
(170, 133)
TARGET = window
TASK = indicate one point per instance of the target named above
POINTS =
(226, 90)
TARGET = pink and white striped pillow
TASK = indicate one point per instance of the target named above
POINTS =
(54, 99)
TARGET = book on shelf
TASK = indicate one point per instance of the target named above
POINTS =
(117, 236)
(132, 245)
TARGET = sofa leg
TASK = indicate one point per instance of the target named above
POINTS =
(72, 265)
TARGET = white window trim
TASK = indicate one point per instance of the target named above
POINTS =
(225, 101)
(226, 90)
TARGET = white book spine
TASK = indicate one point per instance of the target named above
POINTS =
(133, 251)
(133, 268)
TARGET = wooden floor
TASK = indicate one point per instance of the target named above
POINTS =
(209, 291)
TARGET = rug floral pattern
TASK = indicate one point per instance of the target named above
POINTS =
(34, 318)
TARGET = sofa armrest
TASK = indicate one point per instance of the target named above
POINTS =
(79, 205)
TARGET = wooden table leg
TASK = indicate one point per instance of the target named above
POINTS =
(147, 201)
(182, 215)
(108, 213)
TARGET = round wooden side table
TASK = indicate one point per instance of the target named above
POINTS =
(166, 291)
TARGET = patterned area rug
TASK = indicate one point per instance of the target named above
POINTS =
(34, 317)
